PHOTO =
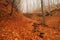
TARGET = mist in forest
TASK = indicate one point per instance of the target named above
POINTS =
(30, 5)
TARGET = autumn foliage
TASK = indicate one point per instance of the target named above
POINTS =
(19, 27)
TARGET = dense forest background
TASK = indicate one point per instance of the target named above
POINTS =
(30, 5)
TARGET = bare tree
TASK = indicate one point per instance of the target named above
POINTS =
(42, 12)
(49, 5)
(12, 7)
(54, 4)
(14, 3)
(44, 6)
(57, 3)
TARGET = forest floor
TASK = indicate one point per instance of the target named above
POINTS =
(21, 27)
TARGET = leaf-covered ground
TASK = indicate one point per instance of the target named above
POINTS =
(19, 27)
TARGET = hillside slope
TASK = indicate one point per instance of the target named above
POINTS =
(19, 27)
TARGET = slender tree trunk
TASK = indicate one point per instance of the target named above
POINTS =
(43, 16)
(12, 7)
(53, 4)
(27, 6)
(44, 6)
(49, 7)
(57, 3)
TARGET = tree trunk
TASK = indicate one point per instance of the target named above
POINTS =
(43, 12)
